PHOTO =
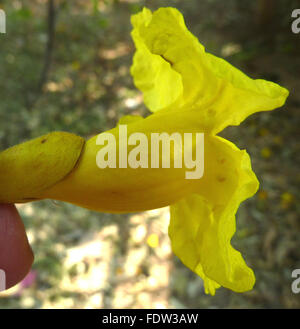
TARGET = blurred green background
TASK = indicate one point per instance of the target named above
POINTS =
(64, 65)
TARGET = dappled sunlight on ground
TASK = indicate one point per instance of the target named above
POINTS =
(104, 275)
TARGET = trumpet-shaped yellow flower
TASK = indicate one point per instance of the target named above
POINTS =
(189, 91)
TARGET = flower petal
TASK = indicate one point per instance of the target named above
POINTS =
(128, 119)
(203, 224)
(153, 74)
(220, 93)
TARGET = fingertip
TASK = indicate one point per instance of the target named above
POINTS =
(16, 256)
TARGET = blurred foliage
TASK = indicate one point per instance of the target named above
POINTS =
(87, 88)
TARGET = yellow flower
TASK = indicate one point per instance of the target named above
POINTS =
(266, 153)
(153, 240)
(189, 91)
(286, 200)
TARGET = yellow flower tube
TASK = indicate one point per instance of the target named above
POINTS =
(190, 92)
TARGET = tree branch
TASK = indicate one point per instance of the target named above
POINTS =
(49, 47)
